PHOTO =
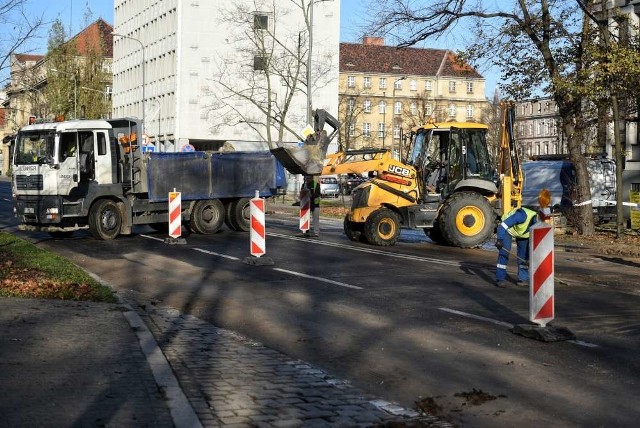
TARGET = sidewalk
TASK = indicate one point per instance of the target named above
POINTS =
(87, 364)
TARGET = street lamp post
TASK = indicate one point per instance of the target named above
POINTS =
(309, 104)
(143, 77)
(393, 115)
(75, 90)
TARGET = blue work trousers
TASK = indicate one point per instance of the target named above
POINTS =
(522, 250)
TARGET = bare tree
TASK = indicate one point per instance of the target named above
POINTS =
(256, 84)
(17, 27)
(350, 108)
(536, 43)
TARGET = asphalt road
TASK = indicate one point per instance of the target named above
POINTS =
(407, 323)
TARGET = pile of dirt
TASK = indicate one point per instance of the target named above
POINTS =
(602, 242)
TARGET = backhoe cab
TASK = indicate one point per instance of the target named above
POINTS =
(443, 185)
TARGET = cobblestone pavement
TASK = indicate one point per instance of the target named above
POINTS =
(233, 381)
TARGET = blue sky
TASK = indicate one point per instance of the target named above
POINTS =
(71, 12)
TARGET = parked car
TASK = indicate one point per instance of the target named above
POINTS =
(350, 182)
(329, 186)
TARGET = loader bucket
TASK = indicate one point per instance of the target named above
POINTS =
(305, 160)
(308, 158)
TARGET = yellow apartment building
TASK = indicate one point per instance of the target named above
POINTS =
(384, 91)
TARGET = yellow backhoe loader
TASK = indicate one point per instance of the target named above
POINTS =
(445, 183)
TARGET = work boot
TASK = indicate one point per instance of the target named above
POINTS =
(522, 283)
(501, 284)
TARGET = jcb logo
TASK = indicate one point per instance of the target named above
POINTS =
(398, 170)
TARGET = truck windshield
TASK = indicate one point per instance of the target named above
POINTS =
(34, 148)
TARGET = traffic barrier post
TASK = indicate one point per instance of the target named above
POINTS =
(257, 233)
(541, 274)
(175, 219)
(305, 210)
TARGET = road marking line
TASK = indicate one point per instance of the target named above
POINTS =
(152, 237)
(506, 324)
(290, 272)
(216, 254)
(367, 250)
(477, 317)
(304, 275)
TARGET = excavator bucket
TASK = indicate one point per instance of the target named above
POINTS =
(308, 159)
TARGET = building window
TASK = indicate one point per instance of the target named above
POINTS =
(397, 84)
(396, 131)
(414, 108)
(541, 128)
(413, 85)
(381, 130)
(428, 85)
(260, 21)
(367, 82)
(352, 129)
(397, 107)
(351, 81)
(428, 109)
(366, 129)
(469, 87)
(452, 110)
(469, 111)
(367, 106)
(383, 83)
(351, 105)
(260, 62)
(452, 86)
(382, 107)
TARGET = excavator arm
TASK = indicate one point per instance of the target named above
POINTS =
(309, 158)
(509, 168)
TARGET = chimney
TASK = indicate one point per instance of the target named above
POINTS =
(375, 41)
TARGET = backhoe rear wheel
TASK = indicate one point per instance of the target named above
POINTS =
(382, 227)
(466, 220)
(207, 216)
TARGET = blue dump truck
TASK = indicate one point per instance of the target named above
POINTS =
(558, 175)
(93, 174)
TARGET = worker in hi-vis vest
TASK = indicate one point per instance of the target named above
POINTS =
(515, 225)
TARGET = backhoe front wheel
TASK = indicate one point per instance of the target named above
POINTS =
(105, 220)
(466, 220)
(382, 227)
(352, 230)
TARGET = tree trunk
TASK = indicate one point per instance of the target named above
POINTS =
(583, 215)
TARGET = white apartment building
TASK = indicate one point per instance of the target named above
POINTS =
(192, 64)
(538, 128)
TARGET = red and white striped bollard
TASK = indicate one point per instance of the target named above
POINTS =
(541, 274)
(305, 210)
(257, 232)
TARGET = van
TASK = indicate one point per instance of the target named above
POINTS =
(559, 177)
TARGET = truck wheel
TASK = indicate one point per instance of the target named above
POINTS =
(105, 220)
(207, 216)
(382, 227)
(238, 215)
(466, 220)
(353, 230)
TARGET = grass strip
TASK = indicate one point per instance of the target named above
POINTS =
(30, 272)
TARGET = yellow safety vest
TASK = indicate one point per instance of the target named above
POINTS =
(520, 230)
